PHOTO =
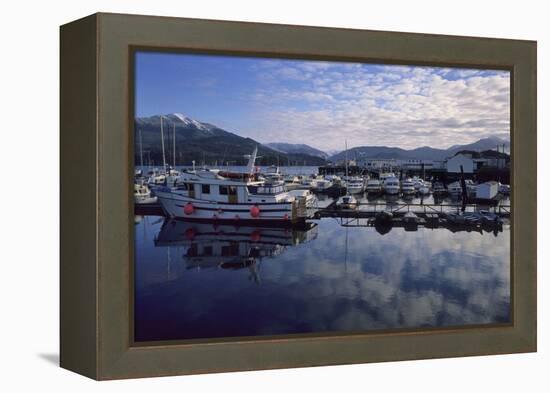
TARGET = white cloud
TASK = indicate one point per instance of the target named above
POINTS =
(384, 105)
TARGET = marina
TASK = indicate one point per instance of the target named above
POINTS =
(301, 213)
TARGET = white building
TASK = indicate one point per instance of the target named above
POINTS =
(468, 163)
(380, 163)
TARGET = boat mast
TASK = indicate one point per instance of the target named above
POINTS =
(140, 150)
(346, 158)
(162, 141)
(174, 145)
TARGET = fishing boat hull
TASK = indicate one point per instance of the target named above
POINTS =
(276, 213)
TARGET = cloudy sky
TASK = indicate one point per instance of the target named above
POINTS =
(324, 103)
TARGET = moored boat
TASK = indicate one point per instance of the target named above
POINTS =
(346, 202)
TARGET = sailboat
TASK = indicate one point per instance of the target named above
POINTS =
(347, 201)
(142, 192)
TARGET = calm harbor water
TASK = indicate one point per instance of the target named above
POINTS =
(204, 281)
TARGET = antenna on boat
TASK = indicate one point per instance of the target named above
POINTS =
(162, 142)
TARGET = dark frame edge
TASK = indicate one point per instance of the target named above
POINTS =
(78, 197)
(114, 356)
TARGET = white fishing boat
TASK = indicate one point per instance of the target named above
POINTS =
(391, 185)
(307, 195)
(374, 186)
(346, 202)
(355, 185)
(213, 195)
(407, 187)
(142, 195)
(273, 174)
(292, 182)
(321, 185)
(455, 188)
(425, 188)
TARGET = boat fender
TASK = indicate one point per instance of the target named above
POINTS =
(286, 216)
(220, 211)
(188, 208)
(255, 211)
(237, 217)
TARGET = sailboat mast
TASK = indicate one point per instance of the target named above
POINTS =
(174, 145)
(140, 150)
(346, 159)
(162, 141)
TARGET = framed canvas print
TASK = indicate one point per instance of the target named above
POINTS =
(240, 196)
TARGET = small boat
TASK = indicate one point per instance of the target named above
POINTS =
(346, 202)
(142, 195)
(391, 186)
(273, 174)
(424, 189)
(407, 187)
(455, 189)
(292, 182)
(373, 186)
(307, 195)
(355, 185)
(321, 185)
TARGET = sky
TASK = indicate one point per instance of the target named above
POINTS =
(323, 104)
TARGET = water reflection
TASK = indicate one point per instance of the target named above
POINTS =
(202, 281)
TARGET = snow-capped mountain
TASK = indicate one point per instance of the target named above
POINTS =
(204, 142)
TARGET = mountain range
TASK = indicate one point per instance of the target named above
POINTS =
(420, 153)
(208, 144)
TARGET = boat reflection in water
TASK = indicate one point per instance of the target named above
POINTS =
(206, 245)
(202, 281)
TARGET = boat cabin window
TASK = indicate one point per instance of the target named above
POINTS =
(266, 189)
(206, 188)
(228, 190)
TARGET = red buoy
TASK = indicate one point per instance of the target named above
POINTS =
(255, 211)
(189, 208)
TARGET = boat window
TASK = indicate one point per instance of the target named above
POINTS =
(223, 190)
(232, 190)
(206, 188)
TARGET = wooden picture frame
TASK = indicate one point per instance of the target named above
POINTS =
(97, 203)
